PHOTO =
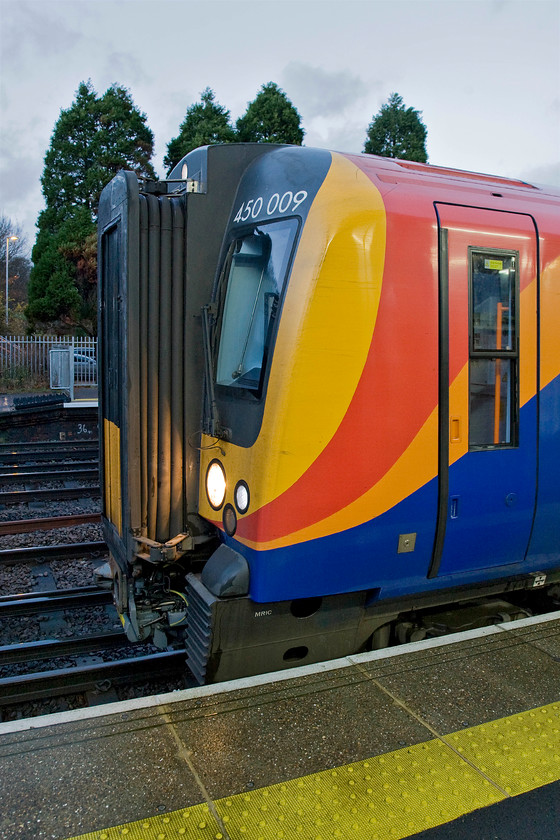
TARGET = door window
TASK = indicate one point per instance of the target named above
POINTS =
(493, 356)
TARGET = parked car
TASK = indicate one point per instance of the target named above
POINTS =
(85, 366)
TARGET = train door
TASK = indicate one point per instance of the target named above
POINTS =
(488, 388)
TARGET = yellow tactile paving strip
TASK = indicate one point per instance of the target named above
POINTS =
(387, 797)
(519, 753)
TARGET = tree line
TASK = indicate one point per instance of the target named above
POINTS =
(99, 135)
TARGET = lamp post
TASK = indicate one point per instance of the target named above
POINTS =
(8, 240)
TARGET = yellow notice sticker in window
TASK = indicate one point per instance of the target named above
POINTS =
(496, 265)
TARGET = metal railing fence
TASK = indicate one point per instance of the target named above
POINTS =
(31, 355)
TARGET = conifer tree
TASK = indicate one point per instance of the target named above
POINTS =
(270, 118)
(66, 179)
(206, 122)
(122, 140)
(62, 287)
(397, 132)
(91, 141)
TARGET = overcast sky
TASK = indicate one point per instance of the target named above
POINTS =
(484, 73)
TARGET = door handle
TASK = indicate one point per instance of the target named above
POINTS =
(455, 430)
(454, 507)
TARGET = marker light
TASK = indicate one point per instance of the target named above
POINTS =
(241, 497)
(230, 520)
(216, 484)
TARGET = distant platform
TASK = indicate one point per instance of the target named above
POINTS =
(83, 398)
(82, 403)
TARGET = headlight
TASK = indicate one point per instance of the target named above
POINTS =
(215, 484)
(241, 497)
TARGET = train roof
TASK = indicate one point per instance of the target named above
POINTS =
(387, 171)
(394, 170)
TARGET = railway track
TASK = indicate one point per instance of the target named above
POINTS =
(33, 603)
(20, 475)
(65, 653)
(23, 463)
(28, 467)
(24, 688)
(76, 667)
(16, 497)
(26, 652)
(50, 450)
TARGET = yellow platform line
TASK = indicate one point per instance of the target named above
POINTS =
(387, 797)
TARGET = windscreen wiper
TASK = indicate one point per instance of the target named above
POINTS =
(211, 413)
(239, 369)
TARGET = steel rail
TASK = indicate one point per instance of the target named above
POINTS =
(48, 449)
(16, 497)
(57, 599)
(54, 443)
(13, 468)
(88, 677)
(38, 553)
(71, 474)
(52, 648)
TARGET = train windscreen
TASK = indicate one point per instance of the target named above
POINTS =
(254, 279)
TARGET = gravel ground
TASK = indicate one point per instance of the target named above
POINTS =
(25, 628)
(70, 574)
(91, 532)
(48, 509)
(51, 706)
(87, 621)
(16, 579)
(129, 692)
(91, 620)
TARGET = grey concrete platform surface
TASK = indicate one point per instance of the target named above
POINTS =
(379, 745)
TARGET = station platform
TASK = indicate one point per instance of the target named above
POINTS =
(415, 740)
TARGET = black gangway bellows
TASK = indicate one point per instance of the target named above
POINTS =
(159, 249)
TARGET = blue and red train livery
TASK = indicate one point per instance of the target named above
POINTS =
(331, 403)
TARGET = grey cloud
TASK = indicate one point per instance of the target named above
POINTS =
(21, 165)
(21, 193)
(35, 32)
(348, 138)
(547, 174)
(316, 92)
(125, 69)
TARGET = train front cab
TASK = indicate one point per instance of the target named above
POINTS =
(416, 477)
(158, 246)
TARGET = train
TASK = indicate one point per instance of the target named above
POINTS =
(329, 403)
